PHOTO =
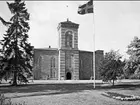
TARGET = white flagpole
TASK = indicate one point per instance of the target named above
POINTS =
(93, 42)
(94, 46)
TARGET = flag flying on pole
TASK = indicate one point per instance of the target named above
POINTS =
(86, 8)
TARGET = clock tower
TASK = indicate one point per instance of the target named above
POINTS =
(68, 51)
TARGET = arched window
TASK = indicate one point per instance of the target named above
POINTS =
(52, 62)
(52, 69)
(54, 74)
(69, 61)
(40, 61)
(68, 39)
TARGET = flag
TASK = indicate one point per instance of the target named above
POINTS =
(86, 8)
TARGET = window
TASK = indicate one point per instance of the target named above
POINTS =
(54, 74)
(69, 61)
(52, 69)
(40, 62)
(52, 62)
(68, 39)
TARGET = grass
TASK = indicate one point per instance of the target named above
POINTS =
(69, 94)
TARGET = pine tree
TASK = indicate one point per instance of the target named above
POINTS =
(17, 53)
(132, 66)
(134, 50)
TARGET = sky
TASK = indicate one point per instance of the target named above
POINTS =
(113, 24)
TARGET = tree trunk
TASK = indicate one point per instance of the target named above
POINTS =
(113, 82)
(15, 71)
(15, 79)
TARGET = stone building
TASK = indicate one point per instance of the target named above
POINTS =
(66, 62)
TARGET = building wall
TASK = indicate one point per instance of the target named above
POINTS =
(62, 65)
(99, 54)
(68, 53)
(82, 61)
(82, 66)
(73, 67)
(76, 65)
(85, 65)
(61, 33)
(42, 64)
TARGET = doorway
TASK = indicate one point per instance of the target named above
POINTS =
(68, 76)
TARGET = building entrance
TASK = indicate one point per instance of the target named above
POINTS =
(68, 76)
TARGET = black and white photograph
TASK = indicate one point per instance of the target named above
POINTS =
(69, 52)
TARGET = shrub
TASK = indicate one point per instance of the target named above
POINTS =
(121, 97)
(4, 100)
(7, 101)
(135, 76)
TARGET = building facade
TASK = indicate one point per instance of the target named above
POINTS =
(66, 62)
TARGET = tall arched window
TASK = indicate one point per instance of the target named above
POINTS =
(40, 62)
(52, 69)
(68, 39)
(52, 62)
(69, 61)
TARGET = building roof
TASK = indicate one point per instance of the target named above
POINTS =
(68, 24)
(56, 49)
(46, 49)
(86, 51)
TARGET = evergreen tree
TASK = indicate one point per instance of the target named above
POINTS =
(134, 50)
(132, 66)
(111, 66)
(17, 53)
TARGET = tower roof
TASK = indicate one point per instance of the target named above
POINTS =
(68, 24)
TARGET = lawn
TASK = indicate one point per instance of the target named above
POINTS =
(70, 94)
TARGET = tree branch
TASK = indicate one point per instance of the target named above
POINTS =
(4, 22)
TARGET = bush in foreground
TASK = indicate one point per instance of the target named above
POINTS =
(121, 97)
(7, 101)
